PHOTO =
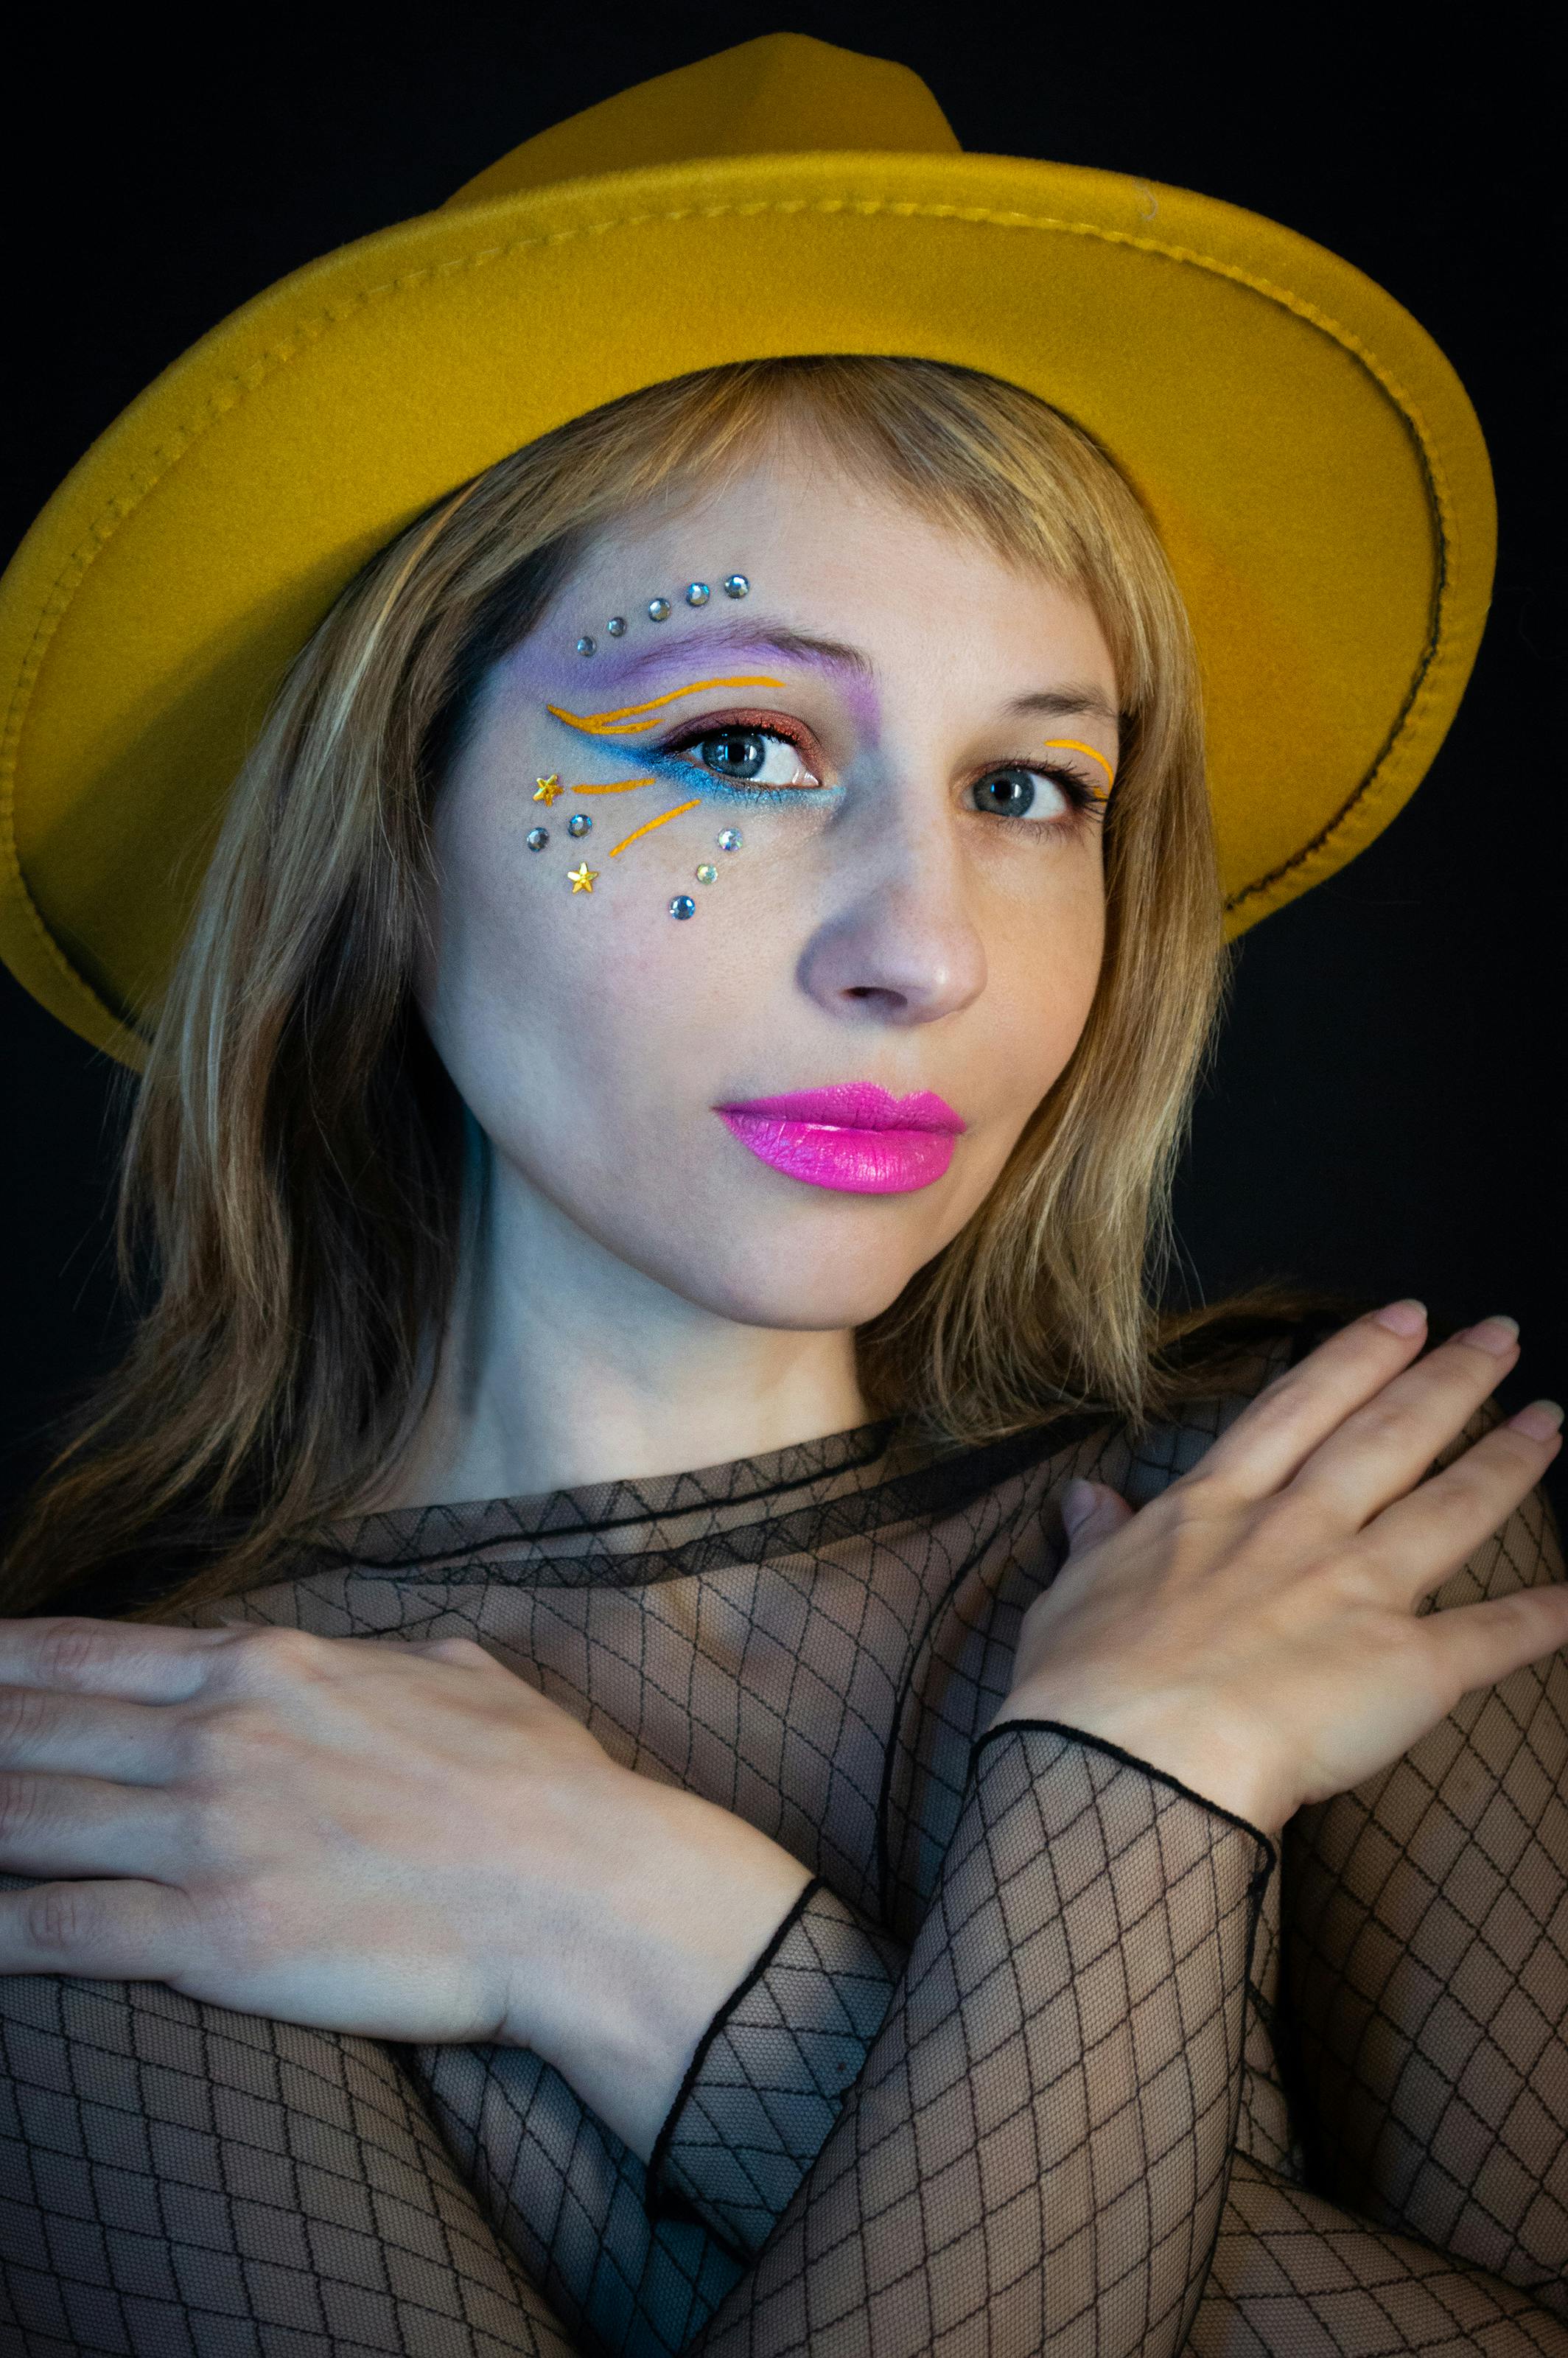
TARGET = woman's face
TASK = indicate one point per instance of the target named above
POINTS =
(874, 780)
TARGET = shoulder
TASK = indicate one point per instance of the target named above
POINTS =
(1209, 1373)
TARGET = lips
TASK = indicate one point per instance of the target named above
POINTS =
(852, 1136)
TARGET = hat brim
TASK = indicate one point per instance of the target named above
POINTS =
(1310, 458)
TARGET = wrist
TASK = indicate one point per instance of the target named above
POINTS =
(1218, 1767)
(695, 1897)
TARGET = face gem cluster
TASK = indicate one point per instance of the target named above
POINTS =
(583, 878)
(660, 608)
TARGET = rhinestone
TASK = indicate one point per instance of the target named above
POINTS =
(736, 585)
(732, 840)
(537, 838)
(585, 646)
(697, 594)
(579, 823)
(683, 905)
(658, 610)
(707, 872)
(616, 627)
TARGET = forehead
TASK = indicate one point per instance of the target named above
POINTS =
(825, 549)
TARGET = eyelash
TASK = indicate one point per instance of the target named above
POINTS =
(1087, 800)
(668, 758)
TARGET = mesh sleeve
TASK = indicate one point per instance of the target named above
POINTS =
(177, 2180)
(770, 2075)
(1291, 2273)
(1036, 2152)
(1425, 1918)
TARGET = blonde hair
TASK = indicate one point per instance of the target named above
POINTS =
(295, 1156)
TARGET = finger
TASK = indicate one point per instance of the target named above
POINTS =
(138, 1659)
(1276, 1434)
(85, 1825)
(122, 1930)
(1476, 1645)
(41, 1729)
(1091, 1511)
(1382, 1449)
(1423, 1537)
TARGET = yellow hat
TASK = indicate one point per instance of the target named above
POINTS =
(1311, 462)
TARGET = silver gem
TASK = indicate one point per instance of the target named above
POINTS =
(585, 646)
(736, 585)
(732, 840)
(616, 626)
(707, 872)
(537, 838)
(683, 905)
(658, 610)
(579, 823)
(697, 594)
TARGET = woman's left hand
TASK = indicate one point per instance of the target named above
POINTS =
(368, 1834)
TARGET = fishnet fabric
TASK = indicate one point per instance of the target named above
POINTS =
(815, 1638)
(770, 2076)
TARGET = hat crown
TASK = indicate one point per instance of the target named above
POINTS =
(782, 94)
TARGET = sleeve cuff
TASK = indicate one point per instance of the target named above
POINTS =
(770, 2072)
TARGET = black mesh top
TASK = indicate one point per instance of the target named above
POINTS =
(1052, 2055)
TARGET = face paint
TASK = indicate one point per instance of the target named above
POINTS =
(648, 826)
(632, 720)
(1072, 745)
(627, 722)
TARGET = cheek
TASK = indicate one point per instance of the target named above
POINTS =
(541, 997)
(1044, 972)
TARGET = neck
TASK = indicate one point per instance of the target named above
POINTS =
(562, 1365)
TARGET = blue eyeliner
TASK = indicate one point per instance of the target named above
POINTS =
(694, 777)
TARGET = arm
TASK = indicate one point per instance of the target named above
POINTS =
(175, 2177)
(1276, 2231)
(1042, 2130)
(1427, 1931)
(770, 2073)
(1292, 2272)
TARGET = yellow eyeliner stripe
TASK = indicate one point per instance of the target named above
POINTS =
(607, 724)
(630, 786)
(650, 824)
(1075, 745)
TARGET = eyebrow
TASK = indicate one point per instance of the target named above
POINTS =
(1060, 703)
(837, 654)
(802, 646)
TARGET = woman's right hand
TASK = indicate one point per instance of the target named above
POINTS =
(1254, 1630)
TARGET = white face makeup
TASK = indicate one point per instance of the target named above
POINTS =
(906, 744)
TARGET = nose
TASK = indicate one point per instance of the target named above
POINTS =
(901, 943)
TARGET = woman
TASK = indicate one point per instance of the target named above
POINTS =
(883, 1801)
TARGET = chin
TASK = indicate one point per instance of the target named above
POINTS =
(800, 1282)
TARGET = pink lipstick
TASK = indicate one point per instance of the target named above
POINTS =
(852, 1136)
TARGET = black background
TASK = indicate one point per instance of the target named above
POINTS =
(1382, 1114)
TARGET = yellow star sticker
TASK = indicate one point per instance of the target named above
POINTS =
(582, 879)
(548, 788)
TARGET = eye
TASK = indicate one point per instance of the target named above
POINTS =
(1015, 792)
(748, 756)
(753, 757)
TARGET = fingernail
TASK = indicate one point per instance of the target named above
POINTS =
(1540, 1421)
(1406, 1317)
(1078, 1506)
(1495, 1335)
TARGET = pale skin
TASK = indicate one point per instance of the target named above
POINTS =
(264, 1819)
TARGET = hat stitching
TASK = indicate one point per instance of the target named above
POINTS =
(233, 391)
